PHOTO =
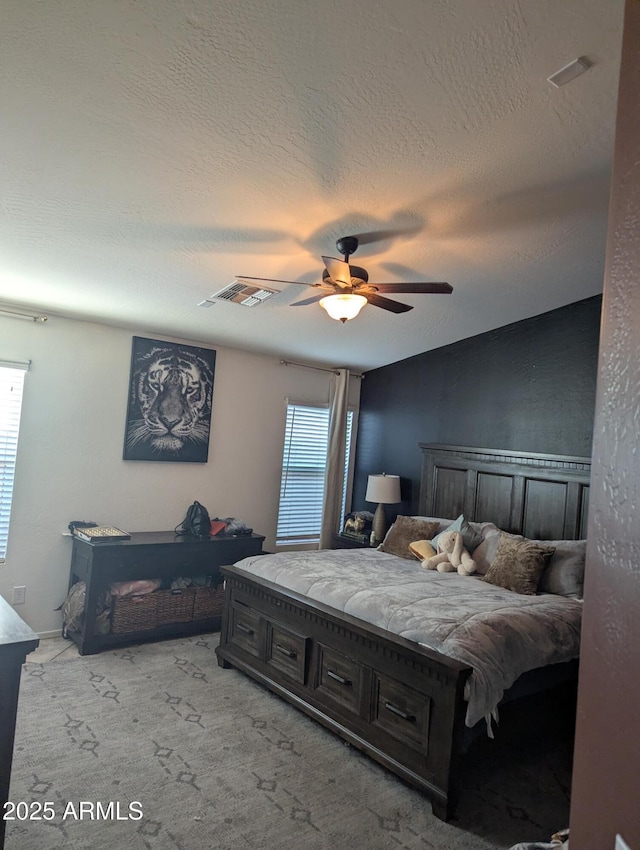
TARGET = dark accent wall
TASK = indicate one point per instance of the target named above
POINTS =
(529, 386)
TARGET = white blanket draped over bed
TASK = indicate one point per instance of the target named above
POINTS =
(500, 634)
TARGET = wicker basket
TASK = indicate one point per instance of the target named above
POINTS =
(208, 602)
(175, 606)
(134, 613)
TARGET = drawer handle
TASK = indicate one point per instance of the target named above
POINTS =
(288, 652)
(242, 628)
(346, 682)
(399, 712)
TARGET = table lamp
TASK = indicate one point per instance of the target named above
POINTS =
(385, 490)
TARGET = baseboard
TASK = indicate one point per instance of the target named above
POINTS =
(54, 634)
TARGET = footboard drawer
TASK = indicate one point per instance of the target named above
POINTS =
(401, 711)
(339, 678)
(245, 628)
(287, 652)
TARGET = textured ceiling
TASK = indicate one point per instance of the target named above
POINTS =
(153, 149)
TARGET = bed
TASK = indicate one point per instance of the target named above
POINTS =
(390, 656)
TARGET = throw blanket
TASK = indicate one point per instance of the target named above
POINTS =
(500, 634)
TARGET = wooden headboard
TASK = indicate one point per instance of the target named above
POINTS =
(542, 496)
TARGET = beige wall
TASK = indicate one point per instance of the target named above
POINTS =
(70, 450)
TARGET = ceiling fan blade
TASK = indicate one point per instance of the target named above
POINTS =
(386, 303)
(339, 271)
(312, 300)
(433, 288)
(257, 280)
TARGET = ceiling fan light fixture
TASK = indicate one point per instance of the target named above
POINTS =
(343, 306)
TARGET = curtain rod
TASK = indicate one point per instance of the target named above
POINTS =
(317, 368)
(15, 314)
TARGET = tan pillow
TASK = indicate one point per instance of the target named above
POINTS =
(518, 564)
(404, 531)
(422, 549)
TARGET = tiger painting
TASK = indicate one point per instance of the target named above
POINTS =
(169, 402)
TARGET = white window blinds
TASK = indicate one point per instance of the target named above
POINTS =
(11, 385)
(303, 470)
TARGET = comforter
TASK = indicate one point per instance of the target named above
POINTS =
(500, 634)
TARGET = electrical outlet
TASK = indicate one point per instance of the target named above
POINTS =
(621, 844)
(19, 595)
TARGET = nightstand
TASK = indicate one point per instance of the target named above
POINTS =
(344, 541)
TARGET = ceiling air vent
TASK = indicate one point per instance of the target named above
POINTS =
(569, 72)
(242, 293)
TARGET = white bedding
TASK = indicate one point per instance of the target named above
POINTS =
(500, 634)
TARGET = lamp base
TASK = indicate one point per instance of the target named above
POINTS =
(379, 524)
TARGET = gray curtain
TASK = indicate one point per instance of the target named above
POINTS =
(334, 476)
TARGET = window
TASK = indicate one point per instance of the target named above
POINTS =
(303, 470)
(11, 383)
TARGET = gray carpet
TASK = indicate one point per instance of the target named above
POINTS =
(216, 762)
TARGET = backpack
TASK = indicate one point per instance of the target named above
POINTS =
(197, 521)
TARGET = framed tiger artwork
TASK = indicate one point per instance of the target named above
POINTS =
(170, 402)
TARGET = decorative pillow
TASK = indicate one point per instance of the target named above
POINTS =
(422, 549)
(518, 564)
(470, 537)
(564, 574)
(404, 531)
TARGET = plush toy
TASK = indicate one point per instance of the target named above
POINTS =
(451, 555)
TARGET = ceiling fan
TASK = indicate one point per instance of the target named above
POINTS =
(345, 288)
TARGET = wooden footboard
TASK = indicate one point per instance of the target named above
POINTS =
(400, 704)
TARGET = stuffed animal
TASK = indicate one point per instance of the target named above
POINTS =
(451, 555)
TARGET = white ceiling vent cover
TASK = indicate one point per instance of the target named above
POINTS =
(569, 72)
(242, 293)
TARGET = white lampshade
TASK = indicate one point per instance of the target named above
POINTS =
(384, 489)
(343, 306)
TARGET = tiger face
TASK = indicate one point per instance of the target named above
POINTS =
(172, 389)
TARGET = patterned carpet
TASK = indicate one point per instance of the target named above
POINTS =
(215, 762)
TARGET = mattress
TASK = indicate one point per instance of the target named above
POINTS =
(498, 633)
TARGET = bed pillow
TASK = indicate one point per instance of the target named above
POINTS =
(485, 552)
(564, 574)
(470, 537)
(481, 527)
(518, 564)
(442, 522)
(404, 531)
